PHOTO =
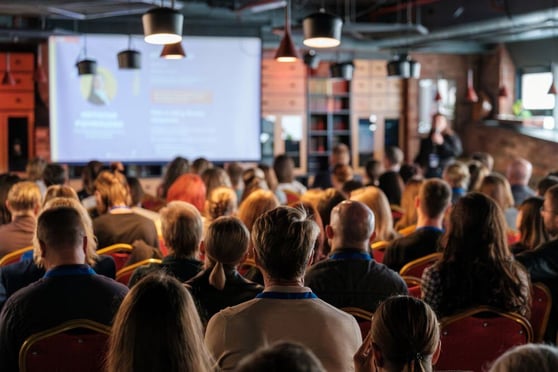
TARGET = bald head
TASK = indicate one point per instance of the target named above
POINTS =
(519, 171)
(351, 225)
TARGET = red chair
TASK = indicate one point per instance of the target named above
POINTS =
(378, 250)
(471, 340)
(415, 268)
(14, 256)
(77, 345)
(541, 303)
(120, 252)
(123, 275)
(246, 266)
(363, 318)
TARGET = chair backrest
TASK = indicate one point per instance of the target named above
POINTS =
(77, 345)
(292, 197)
(473, 339)
(378, 250)
(245, 266)
(407, 230)
(363, 318)
(14, 256)
(123, 275)
(413, 285)
(541, 303)
(416, 267)
(120, 252)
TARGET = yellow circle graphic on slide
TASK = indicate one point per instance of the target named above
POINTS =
(99, 89)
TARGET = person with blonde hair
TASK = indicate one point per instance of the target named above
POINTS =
(157, 328)
(215, 177)
(257, 203)
(529, 357)
(375, 199)
(59, 191)
(222, 201)
(117, 222)
(404, 336)
(410, 193)
(24, 203)
(220, 285)
(498, 188)
(457, 175)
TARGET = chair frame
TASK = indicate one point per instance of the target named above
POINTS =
(66, 326)
(118, 247)
(419, 261)
(408, 230)
(544, 323)
(131, 268)
(9, 258)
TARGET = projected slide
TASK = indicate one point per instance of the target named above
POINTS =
(207, 104)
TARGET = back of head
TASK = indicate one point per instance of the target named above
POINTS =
(373, 169)
(283, 356)
(176, 168)
(111, 189)
(341, 173)
(330, 198)
(199, 165)
(136, 190)
(215, 177)
(408, 172)
(257, 203)
(283, 239)
(59, 191)
(545, 183)
(519, 171)
(182, 228)
(394, 155)
(531, 227)
(477, 171)
(170, 341)
(283, 165)
(530, 357)
(377, 201)
(253, 179)
(61, 229)
(435, 196)
(234, 171)
(222, 201)
(89, 173)
(353, 225)
(55, 174)
(340, 154)
(410, 192)
(485, 158)
(552, 195)
(457, 175)
(6, 182)
(498, 188)
(189, 188)
(35, 168)
(226, 243)
(24, 197)
(405, 330)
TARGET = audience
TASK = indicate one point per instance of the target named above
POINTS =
(477, 171)
(350, 277)
(215, 177)
(34, 171)
(497, 187)
(176, 168)
(280, 357)
(116, 222)
(137, 194)
(159, 315)
(457, 175)
(6, 182)
(182, 228)
(485, 158)
(329, 199)
(530, 226)
(287, 310)
(518, 174)
(375, 199)
(55, 174)
(69, 290)
(23, 202)
(89, 174)
(58, 191)
(530, 357)
(390, 181)
(408, 201)
(340, 154)
(341, 174)
(545, 183)
(476, 267)
(220, 285)
(256, 204)
(254, 180)
(188, 188)
(222, 201)
(283, 165)
(404, 336)
(373, 170)
(234, 170)
(431, 204)
(200, 165)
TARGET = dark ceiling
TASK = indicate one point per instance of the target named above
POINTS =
(383, 25)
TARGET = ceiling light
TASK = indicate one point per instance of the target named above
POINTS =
(287, 51)
(322, 30)
(403, 67)
(311, 59)
(162, 25)
(86, 66)
(342, 70)
(129, 58)
(173, 51)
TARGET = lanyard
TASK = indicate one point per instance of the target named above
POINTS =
(287, 295)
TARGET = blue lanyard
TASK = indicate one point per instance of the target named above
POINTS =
(430, 228)
(351, 256)
(287, 295)
(69, 271)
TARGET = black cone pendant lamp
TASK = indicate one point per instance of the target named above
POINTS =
(287, 51)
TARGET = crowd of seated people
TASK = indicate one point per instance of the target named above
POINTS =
(250, 264)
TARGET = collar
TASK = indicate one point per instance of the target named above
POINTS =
(69, 270)
(350, 255)
(430, 228)
(287, 293)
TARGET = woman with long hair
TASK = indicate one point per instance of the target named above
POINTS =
(404, 336)
(377, 201)
(408, 199)
(477, 267)
(157, 328)
(530, 226)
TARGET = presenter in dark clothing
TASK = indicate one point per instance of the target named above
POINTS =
(438, 149)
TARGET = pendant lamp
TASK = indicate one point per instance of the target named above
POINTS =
(471, 94)
(8, 78)
(342, 70)
(287, 51)
(311, 59)
(322, 30)
(173, 51)
(162, 25)
(85, 65)
(129, 59)
(403, 67)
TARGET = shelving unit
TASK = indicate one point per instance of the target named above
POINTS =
(329, 118)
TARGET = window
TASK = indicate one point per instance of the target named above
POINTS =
(535, 102)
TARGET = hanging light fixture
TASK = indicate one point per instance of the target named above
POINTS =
(287, 51)
(403, 66)
(322, 30)
(311, 59)
(162, 25)
(8, 78)
(173, 51)
(40, 75)
(471, 94)
(86, 66)
(129, 58)
(342, 70)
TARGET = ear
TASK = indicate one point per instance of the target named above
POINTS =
(378, 356)
(437, 352)
(329, 232)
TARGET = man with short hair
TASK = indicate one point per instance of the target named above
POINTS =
(23, 202)
(340, 154)
(350, 277)
(431, 203)
(69, 290)
(283, 166)
(542, 262)
(390, 181)
(518, 174)
(287, 310)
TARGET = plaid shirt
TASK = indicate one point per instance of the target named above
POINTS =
(431, 287)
